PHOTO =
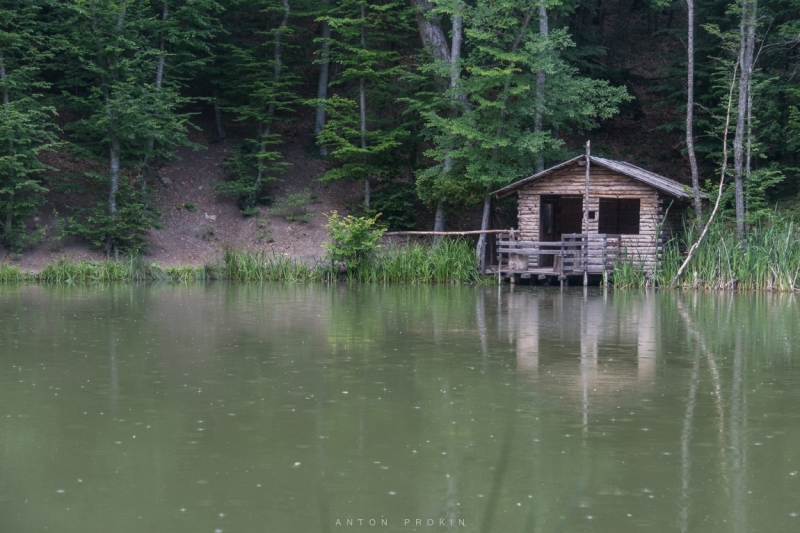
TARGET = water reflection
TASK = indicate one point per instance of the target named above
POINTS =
(289, 407)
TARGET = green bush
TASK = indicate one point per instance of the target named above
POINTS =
(241, 178)
(294, 207)
(354, 241)
(127, 230)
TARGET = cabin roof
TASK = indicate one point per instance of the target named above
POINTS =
(662, 183)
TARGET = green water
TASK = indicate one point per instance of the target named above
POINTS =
(295, 408)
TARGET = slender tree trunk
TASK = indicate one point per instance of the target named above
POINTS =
(113, 158)
(265, 128)
(540, 81)
(698, 205)
(221, 133)
(10, 200)
(362, 109)
(454, 57)
(322, 87)
(487, 199)
(601, 18)
(435, 43)
(114, 141)
(433, 37)
(746, 45)
(622, 20)
(749, 148)
(487, 211)
(159, 83)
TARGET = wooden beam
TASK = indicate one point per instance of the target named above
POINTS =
(474, 232)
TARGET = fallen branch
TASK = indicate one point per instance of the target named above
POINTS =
(474, 232)
(703, 233)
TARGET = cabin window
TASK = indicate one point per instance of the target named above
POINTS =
(619, 216)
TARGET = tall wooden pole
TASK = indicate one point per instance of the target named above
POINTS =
(586, 216)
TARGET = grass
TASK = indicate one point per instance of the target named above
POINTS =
(451, 261)
(768, 259)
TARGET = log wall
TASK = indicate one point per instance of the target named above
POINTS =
(603, 183)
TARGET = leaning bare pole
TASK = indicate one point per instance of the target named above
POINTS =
(586, 214)
(703, 234)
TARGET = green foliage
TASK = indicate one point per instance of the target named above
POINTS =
(127, 228)
(294, 207)
(27, 125)
(354, 241)
(483, 133)
(396, 203)
(190, 207)
(241, 169)
(378, 63)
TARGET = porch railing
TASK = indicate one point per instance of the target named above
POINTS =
(575, 253)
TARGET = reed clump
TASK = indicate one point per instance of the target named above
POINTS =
(449, 261)
(245, 265)
(767, 259)
(12, 274)
(64, 271)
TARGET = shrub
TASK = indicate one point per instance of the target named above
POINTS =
(293, 207)
(354, 240)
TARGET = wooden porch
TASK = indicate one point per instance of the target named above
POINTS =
(576, 254)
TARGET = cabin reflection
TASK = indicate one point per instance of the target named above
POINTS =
(612, 343)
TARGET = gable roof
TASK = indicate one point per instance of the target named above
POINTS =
(662, 183)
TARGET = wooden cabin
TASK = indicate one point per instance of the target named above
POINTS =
(631, 213)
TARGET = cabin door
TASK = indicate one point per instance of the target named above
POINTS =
(558, 215)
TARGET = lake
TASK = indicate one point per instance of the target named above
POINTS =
(310, 408)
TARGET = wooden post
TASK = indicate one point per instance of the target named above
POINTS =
(586, 216)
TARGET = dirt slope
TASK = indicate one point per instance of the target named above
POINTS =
(196, 237)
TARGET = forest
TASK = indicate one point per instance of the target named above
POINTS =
(427, 105)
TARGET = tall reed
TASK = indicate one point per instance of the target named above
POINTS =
(767, 259)
(450, 261)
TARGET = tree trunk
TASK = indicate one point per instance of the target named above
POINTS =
(10, 200)
(480, 250)
(622, 20)
(438, 221)
(455, 75)
(433, 38)
(362, 109)
(601, 18)
(221, 133)
(114, 143)
(267, 126)
(540, 81)
(113, 157)
(487, 211)
(322, 87)
(746, 44)
(159, 83)
(698, 205)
